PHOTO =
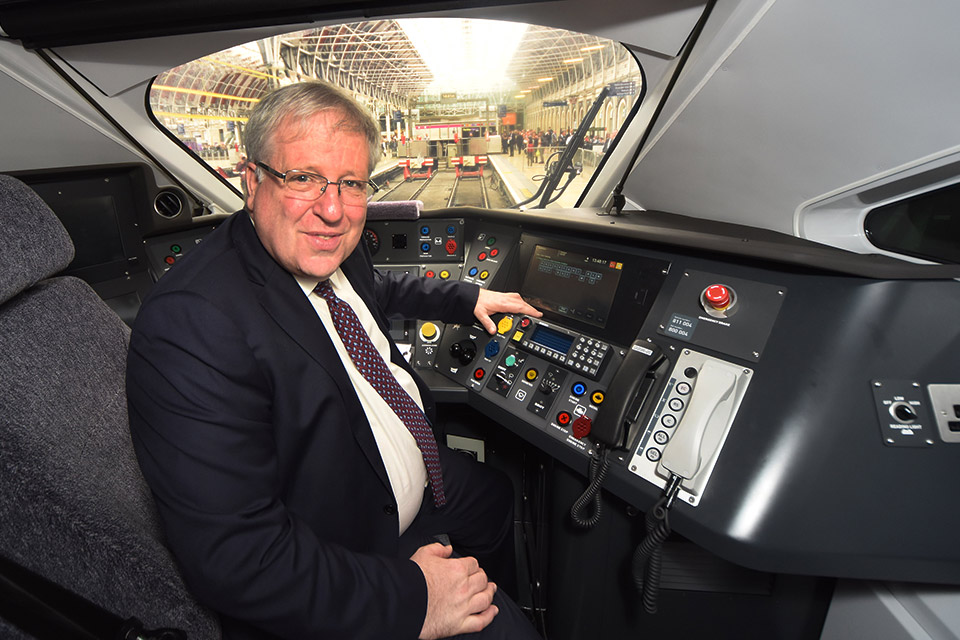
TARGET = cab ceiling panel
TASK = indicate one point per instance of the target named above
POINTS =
(811, 98)
(129, 51)
(56, 23)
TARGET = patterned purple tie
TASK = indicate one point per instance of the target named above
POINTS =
(375, 371)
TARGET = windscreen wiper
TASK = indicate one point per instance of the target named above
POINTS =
(556, 169)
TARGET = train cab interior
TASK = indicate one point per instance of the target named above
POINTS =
(739, 416)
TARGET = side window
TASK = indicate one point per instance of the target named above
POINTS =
(924, 226)
(483, 125)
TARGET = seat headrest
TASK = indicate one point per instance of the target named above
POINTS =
(35, 243)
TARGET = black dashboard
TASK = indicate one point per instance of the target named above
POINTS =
(828, 403)
(813, 394)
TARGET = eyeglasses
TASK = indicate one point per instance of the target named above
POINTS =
(306, 185)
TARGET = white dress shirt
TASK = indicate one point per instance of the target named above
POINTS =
(398, 448)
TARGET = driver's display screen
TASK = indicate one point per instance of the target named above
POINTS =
(571, 284)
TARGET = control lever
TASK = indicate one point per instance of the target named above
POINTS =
(464, 351)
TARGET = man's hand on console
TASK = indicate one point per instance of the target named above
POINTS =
(491, 302)
(459, 596)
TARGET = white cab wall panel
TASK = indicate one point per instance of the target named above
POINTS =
(45, 124)
(655, 25)
(819, 95)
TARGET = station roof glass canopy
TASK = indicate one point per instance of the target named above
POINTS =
(397, 60)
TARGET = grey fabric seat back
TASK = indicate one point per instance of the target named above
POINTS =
(73, 505)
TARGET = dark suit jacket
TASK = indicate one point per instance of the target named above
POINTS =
(266, 473)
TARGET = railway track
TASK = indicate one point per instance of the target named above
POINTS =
(444, 190)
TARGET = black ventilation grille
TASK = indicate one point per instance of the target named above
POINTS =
(168, 204)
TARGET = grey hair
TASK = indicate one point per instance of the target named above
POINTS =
(295, 104)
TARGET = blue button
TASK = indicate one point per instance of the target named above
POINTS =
(424, 247)
(492, 349)
(473, 271)
(424, 230)
(579, 389)
(451, 230)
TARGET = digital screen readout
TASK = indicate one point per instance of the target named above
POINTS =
(551, 339)
(572, 284)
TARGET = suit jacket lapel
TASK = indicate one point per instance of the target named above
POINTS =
(283, 300)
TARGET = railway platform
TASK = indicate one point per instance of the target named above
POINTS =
(522, 179)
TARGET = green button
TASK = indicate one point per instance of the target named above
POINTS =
(491, 241)
(175, 248)
(511, 360)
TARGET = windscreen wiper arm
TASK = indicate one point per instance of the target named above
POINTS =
(565, 164)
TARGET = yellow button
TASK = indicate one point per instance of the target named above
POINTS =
(532, 374)
(518, 336)
(597, 397)
(428, 332)
(444, 274)
(505, 324)
(484, 274)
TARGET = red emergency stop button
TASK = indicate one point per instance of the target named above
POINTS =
(717, 296)
(563, 418)
(451, 246)
(581, 427)
(719, 300)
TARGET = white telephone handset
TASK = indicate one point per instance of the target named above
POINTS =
(696, 437)
(682, 439)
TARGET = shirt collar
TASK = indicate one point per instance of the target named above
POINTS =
(308, 284)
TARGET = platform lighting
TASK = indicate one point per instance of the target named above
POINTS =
(520, 96)
(592, 47)
(572, 60)
(544, 79)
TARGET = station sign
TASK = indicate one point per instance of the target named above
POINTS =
(501, 110)
(554, 103)
(625, 88)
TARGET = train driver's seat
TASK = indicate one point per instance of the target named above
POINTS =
(74, 509)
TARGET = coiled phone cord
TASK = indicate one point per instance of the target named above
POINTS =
(648, 555)
(599, 465)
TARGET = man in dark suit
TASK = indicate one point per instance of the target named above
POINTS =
(293, 490)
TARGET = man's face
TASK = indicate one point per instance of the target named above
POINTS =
(310, 238)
